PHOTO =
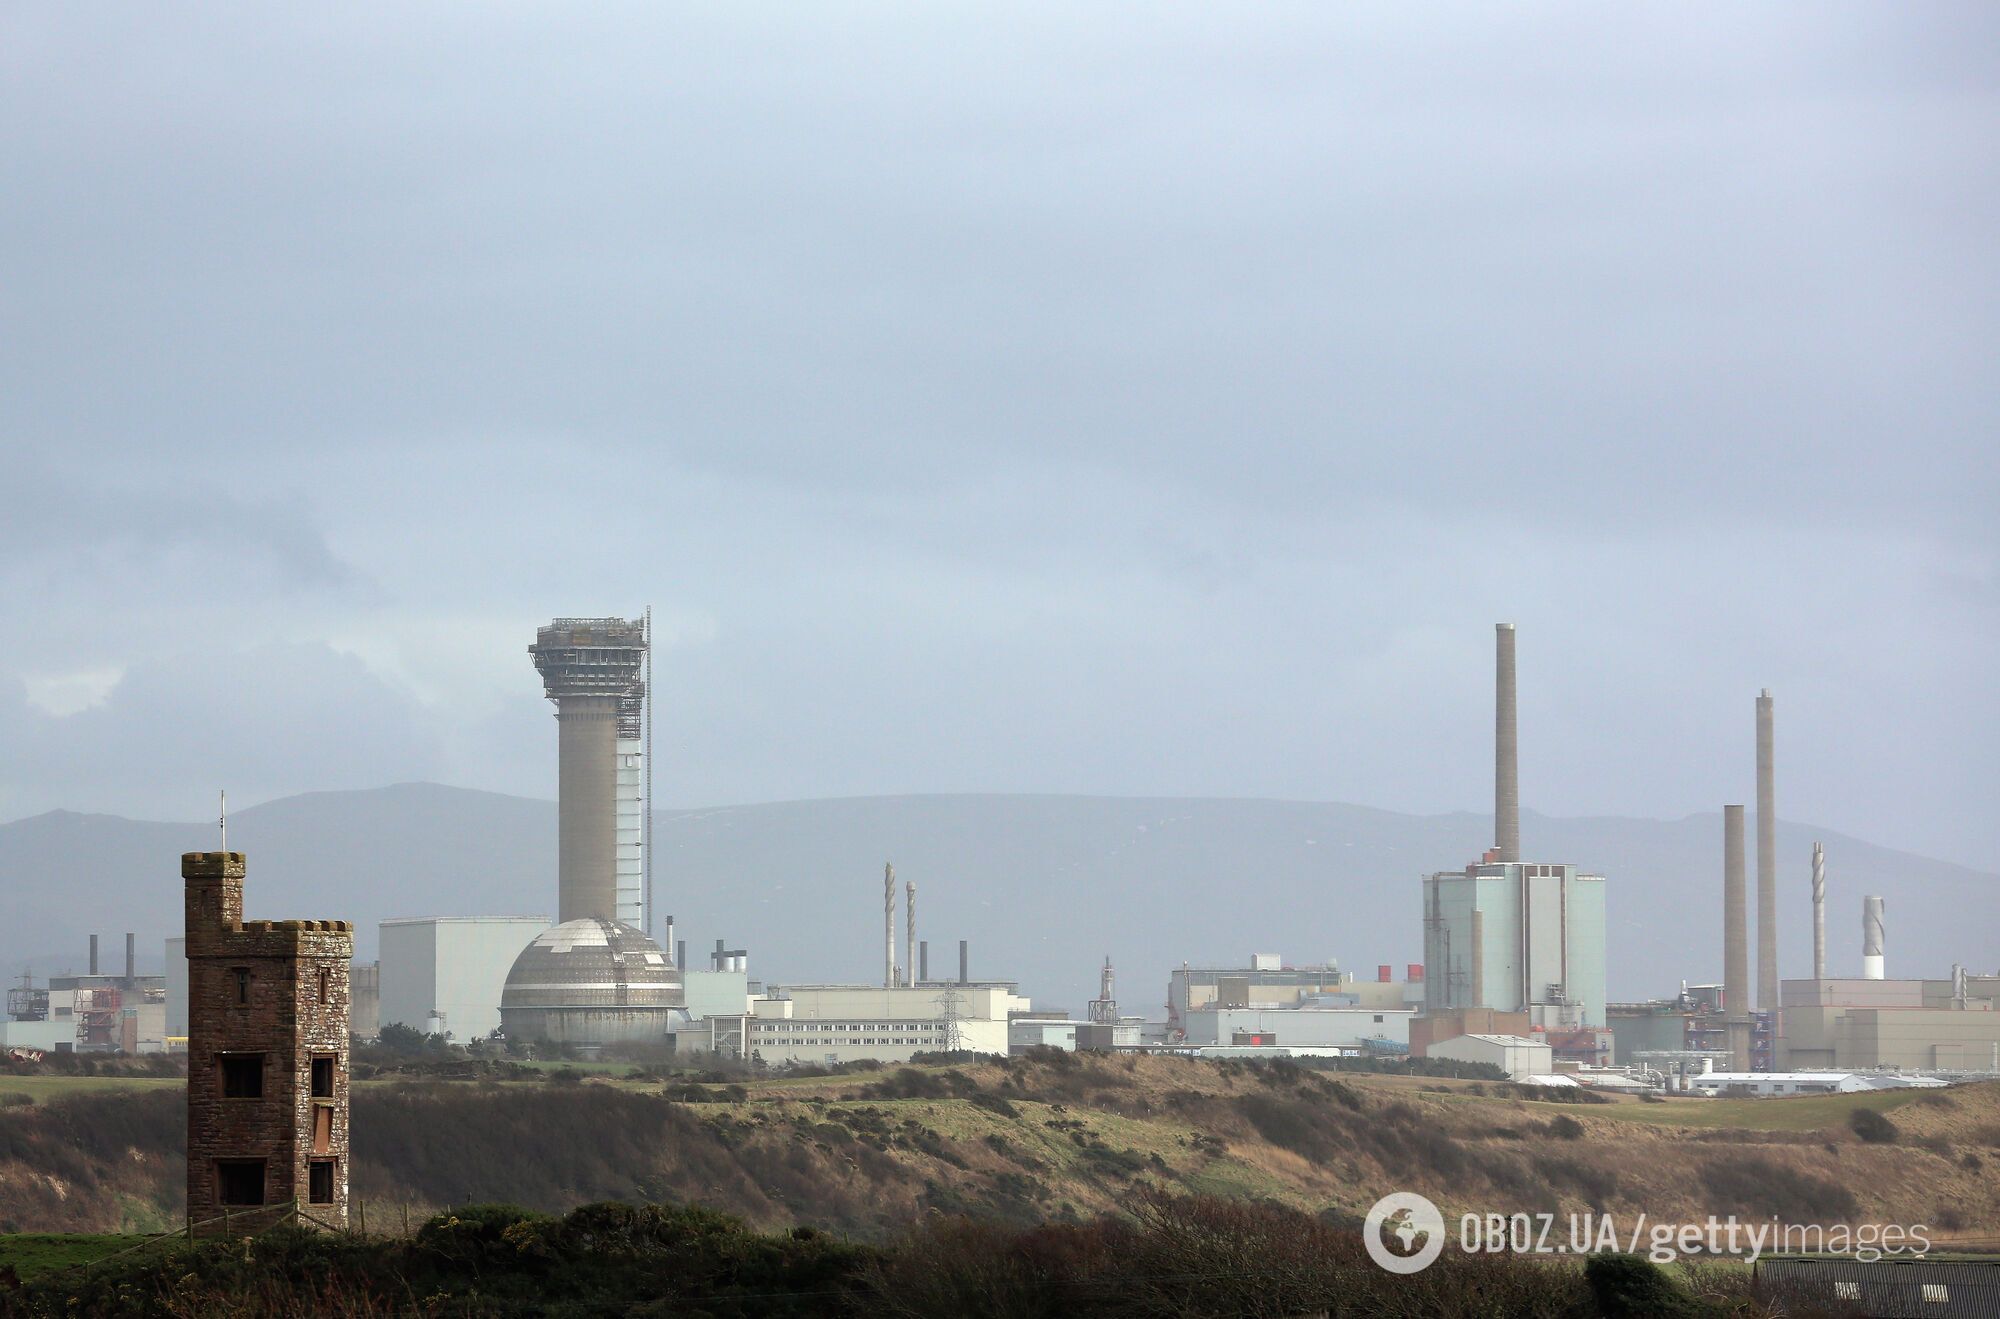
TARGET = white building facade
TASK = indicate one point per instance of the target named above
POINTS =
(1515, 1055)
(445, 975)
(829, 1024)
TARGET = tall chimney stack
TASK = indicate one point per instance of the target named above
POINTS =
(1819, 911)
(910, 932)
(963, 977)
(131, 958)
(1506, 750)
(1735, 941)
(888, 926)
(1767, 863)
(923, 961)
(93, 954)
(1871, 938)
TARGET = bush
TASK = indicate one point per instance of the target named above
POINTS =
(1632, 1287)
(1563, 1127)
(1873, 1126)
(1747, 1184)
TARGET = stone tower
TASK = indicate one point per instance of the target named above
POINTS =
(267, 1056)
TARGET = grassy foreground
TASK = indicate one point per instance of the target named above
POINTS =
(1167, 1255)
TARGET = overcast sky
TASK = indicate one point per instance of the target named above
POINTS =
(1079, 398)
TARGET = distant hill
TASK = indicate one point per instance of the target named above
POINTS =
(1043, 886)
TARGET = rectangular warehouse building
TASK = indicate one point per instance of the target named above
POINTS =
(444, 975)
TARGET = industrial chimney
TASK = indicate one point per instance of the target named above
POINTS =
(1767, 863)
(1819, 911)
(910, 932)
(93, 954)
(1506, 750)
(1735, 941)
(131, 958)
(1871, 938)
(888, 926)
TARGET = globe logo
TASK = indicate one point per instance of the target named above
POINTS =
(1404, 1232)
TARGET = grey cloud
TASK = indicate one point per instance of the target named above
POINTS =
(1104, 399)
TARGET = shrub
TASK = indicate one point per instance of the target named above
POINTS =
(1632, 1287)
(1873, 1126)
(1747, 1184)
(1563, 1127)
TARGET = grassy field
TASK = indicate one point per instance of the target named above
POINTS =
(31, 1255)
(43, 1088)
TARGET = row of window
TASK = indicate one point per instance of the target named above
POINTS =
(844, 1027)
(242, 977)
(778, 1041)
(242, 1076)
(239, 1183)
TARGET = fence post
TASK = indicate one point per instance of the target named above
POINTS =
(361, 1207)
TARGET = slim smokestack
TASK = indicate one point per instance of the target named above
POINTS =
(1871, 938)
(1819, 911)
(963, 977)
(1506, 750)
(1767, 863)
(910, 932)
(131, 956)
(888, 926)
(924, 961)
(681, 954)
(1735, 940)
(93, 954)
(668, 944)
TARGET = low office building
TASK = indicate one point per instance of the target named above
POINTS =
(1766, 1084)
(831, 1024)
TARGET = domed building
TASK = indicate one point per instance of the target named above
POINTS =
(591, 982)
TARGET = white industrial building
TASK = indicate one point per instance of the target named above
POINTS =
(1269, 982)
(445, 975)
(848, 1023)
(1515, 1055)
(1333, 1026)
(1715, 1084)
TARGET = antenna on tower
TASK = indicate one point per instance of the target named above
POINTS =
(222, 818)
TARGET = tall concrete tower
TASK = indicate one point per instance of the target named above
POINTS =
(1506, 749)
(590, 668)
(1767, 863)
(1735, 941)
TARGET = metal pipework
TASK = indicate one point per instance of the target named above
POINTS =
(1767, 862)
(1506, 749)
